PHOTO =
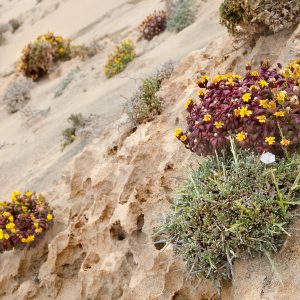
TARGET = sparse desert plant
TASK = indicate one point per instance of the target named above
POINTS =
(260, 111)
(86, 51)
(259, 15)
(119, 59)
(77, 122)
(182, 15)
(65, 82)
(153, 25)
(231, 207)
(17, 94)
(145, 104)
(23, 220)
(39, 56)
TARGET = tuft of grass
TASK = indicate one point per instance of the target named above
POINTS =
(231, 207)
(65, 82)
(77, 122)
(182, 14)
(145, 104)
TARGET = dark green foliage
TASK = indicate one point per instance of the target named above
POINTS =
(230, 207)
(69, 134)
(145, 104)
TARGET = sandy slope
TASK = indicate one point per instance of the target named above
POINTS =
(109, 191)
(34, 148)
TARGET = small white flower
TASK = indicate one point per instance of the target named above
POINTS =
(267, 158)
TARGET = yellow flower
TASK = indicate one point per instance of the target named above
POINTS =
(262, 119)
(263, 103)
(263, 83)
(36, 224)
(28, 194)
(6, 236)
(1, 234)
(218, 124)
(207, 118)
(30, 239)
(241, 136)
(49, 217)
(272, 104)
(280, 97)
(243, 112)
(279, 114)
(11, 218)
(24, 208)
(254, 73)
(10, 226)
(182, 138)
(230, 81)
(246, 97)
(13, 230)
(6, 214)
(204, 78)
(202, 92)
(270, 140)
(40, 229)
(237, 76)
(253, 87)
(188, 103)
(15, 195)
(178, 132)
(23, 240)
(218, 78)
(285, 142)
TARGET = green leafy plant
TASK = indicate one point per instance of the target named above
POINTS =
(119, 59)
(232, 206)
(153, 25)
(182, 15)
(23, 220)
(77, 122)
(145, 104)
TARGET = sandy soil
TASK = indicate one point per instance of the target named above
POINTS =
(111, 189)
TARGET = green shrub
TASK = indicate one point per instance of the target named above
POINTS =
(23, 220)
(119, 59)
(230, 207)
(259, 15)
(39, 56)
(77, 122)
(145, 104)
(182, 15)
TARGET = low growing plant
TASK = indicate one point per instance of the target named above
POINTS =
(17, 94)
(153, 25)
(230, 207)
(182, 15)
(77, 122)
(38, 57)
(145, 104)
(23, 220)
(260, 111)
(119, 59)
(259, 15)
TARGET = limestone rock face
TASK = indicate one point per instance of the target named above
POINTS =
(117, 189)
